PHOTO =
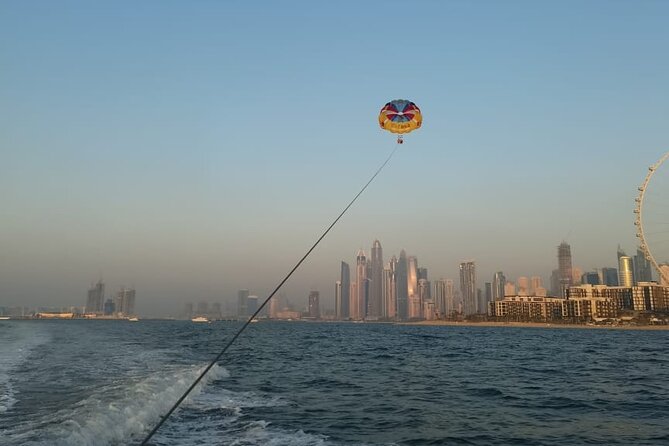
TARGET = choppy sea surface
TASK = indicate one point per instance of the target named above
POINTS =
(108, 382)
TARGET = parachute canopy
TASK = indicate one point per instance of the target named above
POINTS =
(400, 116)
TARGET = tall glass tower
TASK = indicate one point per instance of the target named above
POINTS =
(95, 300)
(468, 286)
(625, 271)
(389, 302)
(345, 279)
(376, 284)
(498, 282)
(642, 268)
(362, 284)
(402, 287)
(564, 267)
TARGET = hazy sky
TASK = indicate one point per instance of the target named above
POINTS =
(190, 149)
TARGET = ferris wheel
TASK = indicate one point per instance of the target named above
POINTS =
(652, 216)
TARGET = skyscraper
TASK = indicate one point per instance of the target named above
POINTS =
(251, 305)
(610, 276)
(625, 271)
(564, 267)
(590, 278)
(338, 314)
(415, 306)
(314, 305)
(389, 292)
(376, 284)
(488, 295)
(95, 300)
(536, 284)
(523, 286)
(451, 306)
(242, 295)
(125, 301)
(402, 293)
(424, 290)
(468, 287)
(362, 283)
(440, 297)
(642, 268)
(277, 304)
(498, 282)
(345, 290)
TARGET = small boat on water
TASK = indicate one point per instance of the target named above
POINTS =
(4, 318)
(133, 319)
(200, 319)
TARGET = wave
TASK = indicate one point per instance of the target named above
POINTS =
(118, 414)
(16, 345)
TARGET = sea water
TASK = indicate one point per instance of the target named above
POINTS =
(83, 382)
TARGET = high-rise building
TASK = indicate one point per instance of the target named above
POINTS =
(415, 305)
(401, 279)
(376, 284)
(314, 305)
(440, 297)
(345, 290)
(125, 301)
(535, 284)
(338, 313)
(488, 293)
(625, 271)
(95, 300)
(424, 290)
(564, 266)
(422, 273)
(251, 305)
(362, 285)
(242, 310)
(509, 289)
(451, 304)
(109, 307)
(523, 286)
(276, 305)
(353, 302)
(389, 291)
(590, 278)
(498, 282)
(555, 283)
(642, 269)
(610, 276)
(468, 287)
(481, 306)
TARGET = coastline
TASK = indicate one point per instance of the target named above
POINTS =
(536, 325)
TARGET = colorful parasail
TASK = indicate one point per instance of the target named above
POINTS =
(400, 116)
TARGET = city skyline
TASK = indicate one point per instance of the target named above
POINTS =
(142, 155)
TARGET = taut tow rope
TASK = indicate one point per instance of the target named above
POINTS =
(246, 324)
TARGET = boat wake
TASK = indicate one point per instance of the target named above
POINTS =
(114, 415)
(16, 345)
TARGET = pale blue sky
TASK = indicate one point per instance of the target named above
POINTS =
(194, 148)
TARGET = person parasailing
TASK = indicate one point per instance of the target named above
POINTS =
(400, 116)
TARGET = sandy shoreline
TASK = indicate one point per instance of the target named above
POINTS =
(537, 325)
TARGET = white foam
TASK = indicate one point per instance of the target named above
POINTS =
(17, 341)
(259, 433)
(119, 414)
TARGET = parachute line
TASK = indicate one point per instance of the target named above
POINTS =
(248, 321)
